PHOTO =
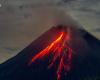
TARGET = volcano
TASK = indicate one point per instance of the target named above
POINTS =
(61, 53)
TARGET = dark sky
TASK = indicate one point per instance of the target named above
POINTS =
(21, 21)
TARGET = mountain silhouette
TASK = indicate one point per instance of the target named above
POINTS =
(85, 63)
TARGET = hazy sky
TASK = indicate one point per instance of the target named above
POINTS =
(21, 21)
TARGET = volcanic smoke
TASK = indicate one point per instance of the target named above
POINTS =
(60, 50)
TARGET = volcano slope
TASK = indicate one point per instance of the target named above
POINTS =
(61, 53)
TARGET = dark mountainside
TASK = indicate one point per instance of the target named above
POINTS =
(85, 61)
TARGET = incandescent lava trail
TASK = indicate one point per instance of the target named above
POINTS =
(59, 50)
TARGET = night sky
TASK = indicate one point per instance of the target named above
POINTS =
(22, 21)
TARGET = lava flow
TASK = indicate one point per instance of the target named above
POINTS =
(60, 50)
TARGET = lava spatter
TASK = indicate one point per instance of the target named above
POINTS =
(59, 49)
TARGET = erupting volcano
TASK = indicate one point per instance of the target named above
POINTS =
(61, 53)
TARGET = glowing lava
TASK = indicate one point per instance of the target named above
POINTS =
(60, 50)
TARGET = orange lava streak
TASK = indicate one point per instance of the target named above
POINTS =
(59, 49)
(47, 49)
